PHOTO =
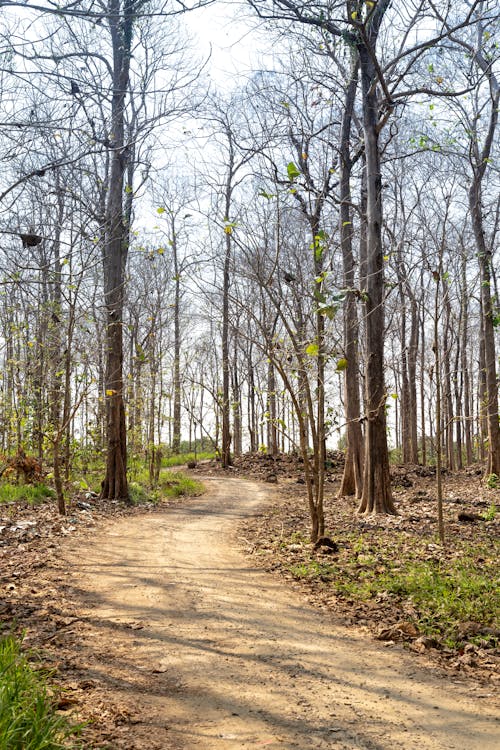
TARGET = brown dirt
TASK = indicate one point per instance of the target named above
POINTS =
(170, 638)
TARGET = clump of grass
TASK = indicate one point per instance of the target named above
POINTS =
(28, 718)
(492, 481)
(177, 484)
(172, 484)
(490, 514)
(29, 493)
(139, 494)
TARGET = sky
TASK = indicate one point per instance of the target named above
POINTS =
(237, 47)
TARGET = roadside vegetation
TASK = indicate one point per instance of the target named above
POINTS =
(28, 704)
(392, 574)
(25, 493)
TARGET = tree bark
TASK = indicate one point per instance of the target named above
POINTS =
(176, 432)
(115, 250)
(488, 330)
(352, 477)
(377, 495)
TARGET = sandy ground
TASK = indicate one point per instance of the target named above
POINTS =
(202, 650)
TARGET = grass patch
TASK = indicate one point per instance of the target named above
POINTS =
(442, 591)
(29, 493)
(28, 718)
(172, 484)
(183, 458)
(140, 495)
(177, 484)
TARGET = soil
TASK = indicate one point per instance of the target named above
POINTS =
(167, 636)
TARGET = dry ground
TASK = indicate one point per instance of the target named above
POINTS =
(167, 635)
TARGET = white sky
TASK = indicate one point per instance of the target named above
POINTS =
(236, 43)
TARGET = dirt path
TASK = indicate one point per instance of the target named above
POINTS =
(204, 651)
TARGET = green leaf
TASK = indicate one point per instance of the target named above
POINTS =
(341, 364)
(312, 350)
(292, 171)
(329, 311)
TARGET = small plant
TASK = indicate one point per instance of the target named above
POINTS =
(492, 481)
(28, 718)
(490, 514)
(312, 569)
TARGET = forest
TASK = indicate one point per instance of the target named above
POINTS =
(289, 261)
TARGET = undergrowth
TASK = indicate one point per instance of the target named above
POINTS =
(29, 493)
(184, 458)
(441, 592)
(28, 718)
(171, 484)
(177, 484)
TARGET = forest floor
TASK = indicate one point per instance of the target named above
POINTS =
(187, 626)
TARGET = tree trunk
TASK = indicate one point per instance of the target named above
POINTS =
(352, 478)
(176, 432)
(272, 438)
(253, 428)
(488, 330)
(236, 406)
(377, 495)
(447, 394)
(115, 257)
(464, 365)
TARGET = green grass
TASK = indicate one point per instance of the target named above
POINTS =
(171, 484)
(28, 718)
(184, 458)
(177, 484)
(443, 591)
(139, 494)
(29, 493)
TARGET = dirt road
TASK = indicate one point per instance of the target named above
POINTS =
(202, 650)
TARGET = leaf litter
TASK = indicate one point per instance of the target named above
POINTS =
(37, 596)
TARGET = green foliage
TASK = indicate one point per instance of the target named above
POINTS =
(27, 493)
(139, 494)
(491, 513)
(492, 481)
(292, 171)
(395, 456)
(312, 350)
(177, 484)
(171, 484)
(28, 718)
(442, 593)
(184, 458)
